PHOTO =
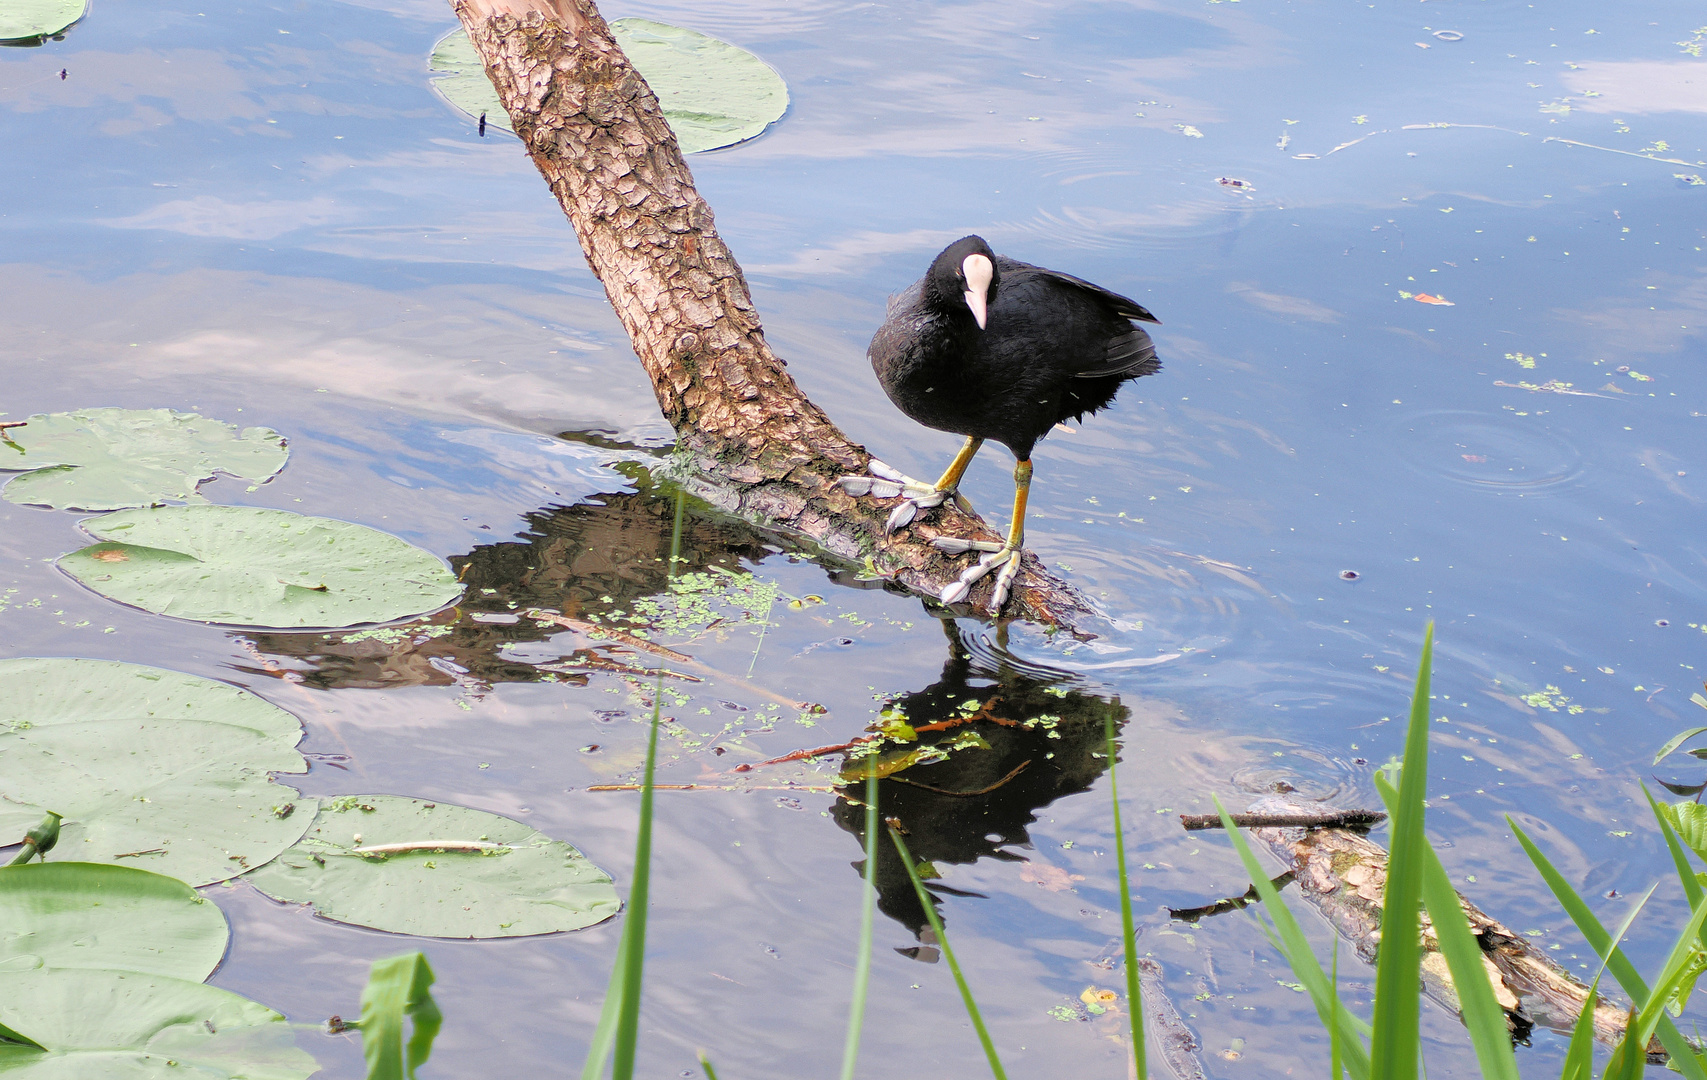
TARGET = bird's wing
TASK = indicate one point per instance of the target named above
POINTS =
(1131, 354)
(1122, 305)
(910, 297)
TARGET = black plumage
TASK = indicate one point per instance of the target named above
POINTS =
(995, 349)
(1054, 347)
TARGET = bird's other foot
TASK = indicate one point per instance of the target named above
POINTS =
(996, 555)
(885, 482)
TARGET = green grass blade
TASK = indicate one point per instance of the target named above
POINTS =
(397, 987)
(1290, 942)
(1672, 977)
(948, 954)
(1579, 1053)
(1685, 872)
(1398, 987)
(1682, 1057)
(868, 904)
(1128, 937)
(705, 1063)
(1336, 1068)
(1481, 1012)
(604, 1035)
(630, 962)
(634, 933)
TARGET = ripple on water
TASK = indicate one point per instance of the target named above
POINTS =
(1308, 774)
(1490, 452)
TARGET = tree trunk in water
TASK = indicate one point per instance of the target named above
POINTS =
(757, 447)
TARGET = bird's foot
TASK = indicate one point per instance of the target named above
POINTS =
(1004, 556)
(885, 482)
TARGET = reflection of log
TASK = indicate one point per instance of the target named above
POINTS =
(1344, 874)
(758, 448)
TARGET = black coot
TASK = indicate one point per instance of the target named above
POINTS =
(992, 348)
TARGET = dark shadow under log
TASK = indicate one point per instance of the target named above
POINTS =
(748, 440)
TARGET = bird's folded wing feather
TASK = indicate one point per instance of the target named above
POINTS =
(1131, 354)
(1123, 305)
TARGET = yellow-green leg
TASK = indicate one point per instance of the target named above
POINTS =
(958, 470)
(1006, 556)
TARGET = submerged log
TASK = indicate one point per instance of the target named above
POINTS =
(748, 440)
(1343, 874)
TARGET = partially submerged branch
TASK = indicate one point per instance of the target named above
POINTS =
(1344, 875)
(755, 445)
(1304, 819)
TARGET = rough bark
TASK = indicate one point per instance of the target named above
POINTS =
(755, 446)
(1343, 874)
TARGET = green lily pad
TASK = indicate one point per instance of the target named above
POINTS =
(23, 20)
(114, 459)
(124, 1025)
(63, 689)
(254, 567)
(90, 915)
(460, 872)
(713, 94)
(186, 798)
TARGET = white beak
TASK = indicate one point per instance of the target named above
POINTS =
(978, 271)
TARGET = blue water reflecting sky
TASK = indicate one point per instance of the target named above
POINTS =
(263, 211)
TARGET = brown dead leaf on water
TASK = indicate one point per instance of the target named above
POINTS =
(1048, 877)
(1425, 298)
(110, 555)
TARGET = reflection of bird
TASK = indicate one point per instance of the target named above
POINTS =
(991, 348)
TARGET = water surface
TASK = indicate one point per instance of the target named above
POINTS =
(263, 213)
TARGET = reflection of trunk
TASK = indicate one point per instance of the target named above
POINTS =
(756, 446)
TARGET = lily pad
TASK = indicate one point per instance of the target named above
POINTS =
(124, 1025)
(713, 94)
(114, 459)
(255, 567)
(437, 870)
(63, 689)
(187, 798)
(26, 20)
(90, 915)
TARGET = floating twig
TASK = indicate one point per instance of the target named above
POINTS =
(595, 630)
(622, 637)
(1336, 819)
(475, 847)
(818, 788)
(983, 712)
(1015, 771)
(1231, 903)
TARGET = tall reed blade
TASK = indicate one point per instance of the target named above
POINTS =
(1395, 1038)
(868, 904)
(626, 972)
(1683, 1057)
(948, 954)
(1128, 937)
(1289, 940)
(1490, 1033)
